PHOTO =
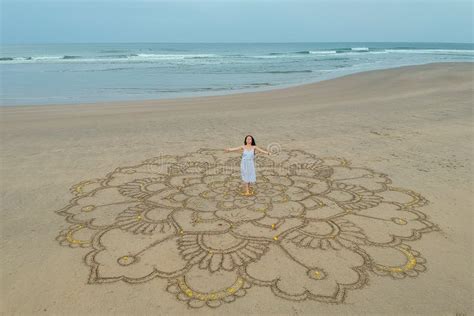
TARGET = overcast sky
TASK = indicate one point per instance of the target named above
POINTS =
(45, 21)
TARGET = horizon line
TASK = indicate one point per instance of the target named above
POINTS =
(239, 42)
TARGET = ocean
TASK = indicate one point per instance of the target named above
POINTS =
(84, 73)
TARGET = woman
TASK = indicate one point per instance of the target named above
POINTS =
(247, 165)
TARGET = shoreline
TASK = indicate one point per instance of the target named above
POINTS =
(228, 93)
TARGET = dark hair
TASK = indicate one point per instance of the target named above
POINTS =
(245, 140)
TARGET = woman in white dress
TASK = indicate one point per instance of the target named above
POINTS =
(247, 165)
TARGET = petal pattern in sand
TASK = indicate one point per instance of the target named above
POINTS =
(313, 228)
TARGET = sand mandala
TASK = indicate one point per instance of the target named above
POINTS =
(313, 228)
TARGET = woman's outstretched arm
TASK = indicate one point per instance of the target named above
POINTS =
(232, 149)
(262, 151)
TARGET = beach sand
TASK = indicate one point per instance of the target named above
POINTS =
(413, 124)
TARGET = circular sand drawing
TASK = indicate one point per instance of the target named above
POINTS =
(312, 229)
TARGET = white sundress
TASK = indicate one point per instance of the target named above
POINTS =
(247, 166)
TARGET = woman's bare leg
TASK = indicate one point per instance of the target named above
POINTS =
(247, 188)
